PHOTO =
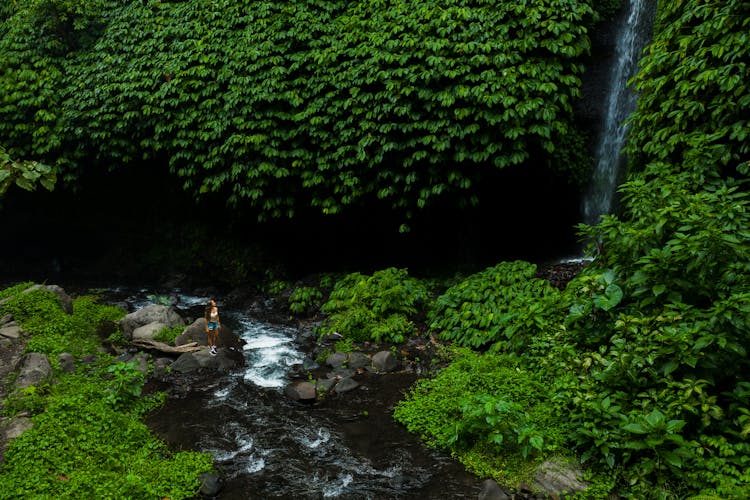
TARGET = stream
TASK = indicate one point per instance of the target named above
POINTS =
(266, 446)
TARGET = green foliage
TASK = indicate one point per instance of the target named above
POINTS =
(81, 446)
(694, 101)
(88, 440)
(504, 302)
(304, 299)
(377, 307)
(53, 331)
(484, 407)
(282, 105)
(126, 384)
(168, 335)
(25, 174)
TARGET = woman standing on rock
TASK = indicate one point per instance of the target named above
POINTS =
(213, 323)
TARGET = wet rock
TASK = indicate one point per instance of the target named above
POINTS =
(301, 391)
(35, 369)
(337, 359)
(161, 368)
(345, 385)
(309, 364)
(556, 476)
(67, 362)
(186, 363)
(492, 491)
(342, 373)
(149, 331)
(324, 385)
(358, 360)
(385, 361)
(210, 484)
(149, 314)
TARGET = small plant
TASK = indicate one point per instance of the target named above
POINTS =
(126, 385)
(377, 307)
(169, 334)
(304, 299)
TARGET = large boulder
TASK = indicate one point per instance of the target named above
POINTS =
(35, 370)
(196, 332)
(149, 331)
(154, 313)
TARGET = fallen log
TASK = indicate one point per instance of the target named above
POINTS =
(161, 346)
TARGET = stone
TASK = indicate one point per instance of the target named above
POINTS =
(345, 385)
(385, 361)
(161, 368)
(492, 491)
(186, 363)
(359, 360)
(35, 369)
(556, 476)
(16, 427)
(65, 301)
(337, 359)
(11, 331)
(67, 362)
(301, 391)
(324, 385)
(149, 331)
(210, 484)
(149, 314)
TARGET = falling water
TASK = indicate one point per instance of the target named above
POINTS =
(633, 34)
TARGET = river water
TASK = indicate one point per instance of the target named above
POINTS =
(267, 447)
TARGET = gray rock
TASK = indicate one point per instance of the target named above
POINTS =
(210, 484)
(345, 385)
(492, 491)
(11, 330)
(5, 319)
(161, 368)
(16, 427)
(186, 363)
(67, 362)
(324, 385)
(359, 360)
(148, 331)
(342, 373)
(194, 332)
(142, 363)
(337, 359)
(149, 314)
(301, 391)
(385, 361)
(556, 476)
(35, 369)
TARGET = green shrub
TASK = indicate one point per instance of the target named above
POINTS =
(304, 299)
(169, 334)
(377, 307)
(504, 302)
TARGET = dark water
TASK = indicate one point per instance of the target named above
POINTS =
(266, 446)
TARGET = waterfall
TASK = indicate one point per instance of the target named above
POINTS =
(632, 35)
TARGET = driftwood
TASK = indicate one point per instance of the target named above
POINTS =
(161, 346)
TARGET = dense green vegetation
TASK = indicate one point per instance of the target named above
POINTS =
(88, 440)
(639, 366)
(638, 369)
(287, 105)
